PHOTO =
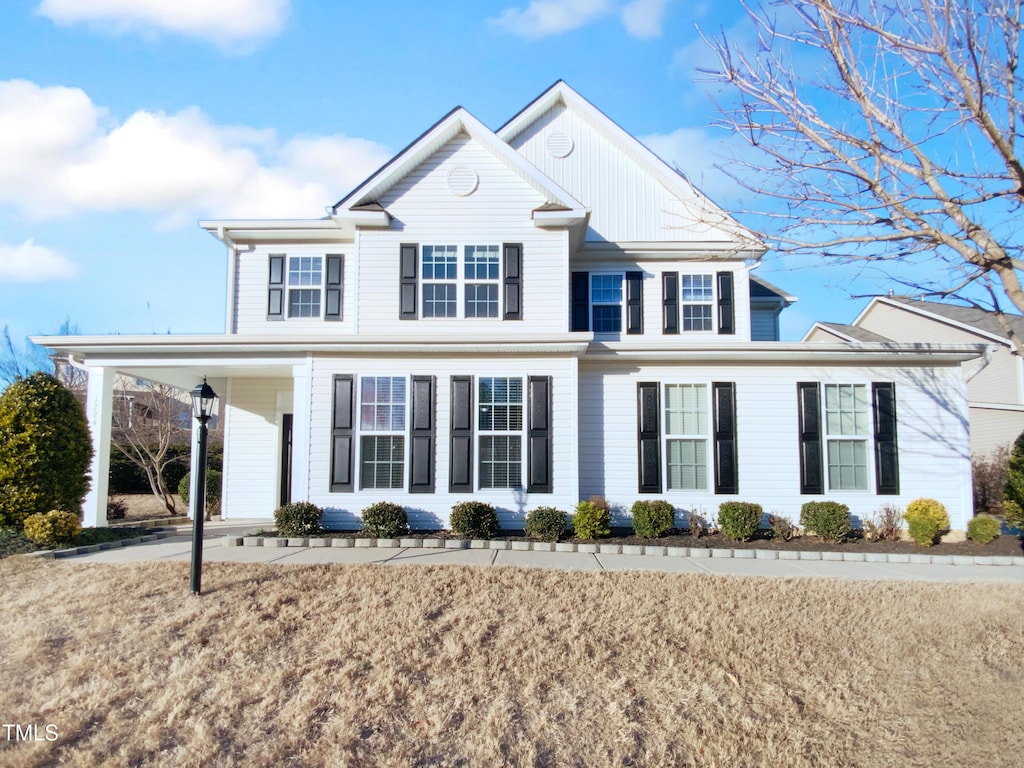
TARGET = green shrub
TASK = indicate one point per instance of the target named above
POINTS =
(983, 529)
(213, 485)
(300, 518)
(739, 520)
(474, 520)
(1014, 515)
(653, 518)
(591, 521)
(926, 520)
(1013, 492)
(782, 527)
(385, 520)
(829, 519)
(53, 528)
(44, 449)
(545, 524)
(885, 524)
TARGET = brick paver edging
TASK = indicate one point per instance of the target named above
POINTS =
(623, 549)
(60, 553)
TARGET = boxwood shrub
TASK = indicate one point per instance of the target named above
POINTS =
(739, 520)
(926, 521)
(53, 528)
(828, 519)
(545, 524)
(983, 529)
(385, 520)
(474, 520)
(300, 518)
(591, 521)
(653, 518)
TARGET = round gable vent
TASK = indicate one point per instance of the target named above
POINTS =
(462, 181)
(559, 144)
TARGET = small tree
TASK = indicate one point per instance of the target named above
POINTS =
(45, 449)
(1013, 494)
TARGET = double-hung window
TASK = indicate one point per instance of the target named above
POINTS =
(847, 429)
(697, 302)
(606, 303)
(482, 265)
(382, 418)
(305, 275)
(440, 280)
(686, 436)
(500, 426)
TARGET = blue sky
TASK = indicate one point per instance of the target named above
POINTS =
(123, 122)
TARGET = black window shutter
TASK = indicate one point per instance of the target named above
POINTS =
(407, 289)
(634, 302)
(332, 304)
(343, 433)
(670, 302)
(887, 468)
(811, 474)
(649, 437)
(726, 463)
(726, 305)
(275, 289)
(538, 451)
(460, 478)
(512, 268)
(580, 301)
(421, 435)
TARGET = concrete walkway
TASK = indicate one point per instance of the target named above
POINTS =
(179, 548)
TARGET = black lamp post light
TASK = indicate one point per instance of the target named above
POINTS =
(203, 400)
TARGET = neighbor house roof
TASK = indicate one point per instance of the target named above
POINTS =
(850, 332)
(980, 319)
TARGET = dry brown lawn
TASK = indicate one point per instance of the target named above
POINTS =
(444, 666)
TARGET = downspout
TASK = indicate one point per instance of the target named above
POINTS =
(985, 360)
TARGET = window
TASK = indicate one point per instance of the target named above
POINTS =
(686, 433)
(697, 302)
(305, 274)
(500, 426)
(481, 273)
(606, 303)
(382, 408)
(847, 426)
(440, 272)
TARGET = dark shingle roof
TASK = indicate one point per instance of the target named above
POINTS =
(855, 333)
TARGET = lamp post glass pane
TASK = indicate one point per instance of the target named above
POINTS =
(203, 398)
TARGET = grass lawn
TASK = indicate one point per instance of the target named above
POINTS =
(371, 665)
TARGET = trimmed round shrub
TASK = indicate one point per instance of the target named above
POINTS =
(385, 520)
(926, 521)
(739, 520)
(53, 528)
(591, 521)
(545, 524)
(829, 519)
(474, 520)
(653, 518)
(300, 518)
(44, 449)
(213, 485)
(983, 529)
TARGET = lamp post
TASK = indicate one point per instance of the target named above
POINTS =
(203, 399)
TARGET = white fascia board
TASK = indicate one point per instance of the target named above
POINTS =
(374, 219)
(697, 250)
(565, 218)
(276, 230)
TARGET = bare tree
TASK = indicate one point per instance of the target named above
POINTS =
(888, 131)
(148, 419)
(16, 364)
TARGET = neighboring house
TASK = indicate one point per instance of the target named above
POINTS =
(530, 317)
(995, 382)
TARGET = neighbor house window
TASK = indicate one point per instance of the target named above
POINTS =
(440, 280)
(382, 409)
(482, 267)
(500, 427)
(305, 275)
(847, 427)
(686, 436)
(606, 303)
(697, 302)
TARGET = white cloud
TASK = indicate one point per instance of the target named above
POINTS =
(61, 154)
(644, 18)
(221, 21)
(31, 263)
(551, 17)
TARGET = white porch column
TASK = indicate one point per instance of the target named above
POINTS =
(99, 408)
(301, 403)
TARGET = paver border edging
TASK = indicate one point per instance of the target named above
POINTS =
(55, 554)
(648, 550)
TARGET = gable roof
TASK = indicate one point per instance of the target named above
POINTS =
(670, 178)
(847, 332)
(762, 289)
(457, 122)
(980, 321)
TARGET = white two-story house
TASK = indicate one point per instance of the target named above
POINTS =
(531, 316)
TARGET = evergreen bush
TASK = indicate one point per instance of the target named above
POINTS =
(1013, 492)
(739, 520)
(926, 520)
(829, 519)
(653, 518)
(52, 529)
(300, 518)
(385, 520)
(214, 480)
(983, 529)
(591, 521)
(45, 449)
(474, 520)
(545, 524)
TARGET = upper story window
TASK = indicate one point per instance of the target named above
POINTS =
(704, 300)
(698, 299)
(304, 287)
(482, 267)
(440, 274)
(606, 303)
(469, 281)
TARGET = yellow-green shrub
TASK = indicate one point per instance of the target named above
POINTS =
(591, 521)
(53, 528)
(926, 519)
(983, 529)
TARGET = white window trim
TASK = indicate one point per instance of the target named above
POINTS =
(460, 282)
(706, 437)
(868, 438)
(621, 304)
(520, 433)
(712, 302)
(360, 433)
